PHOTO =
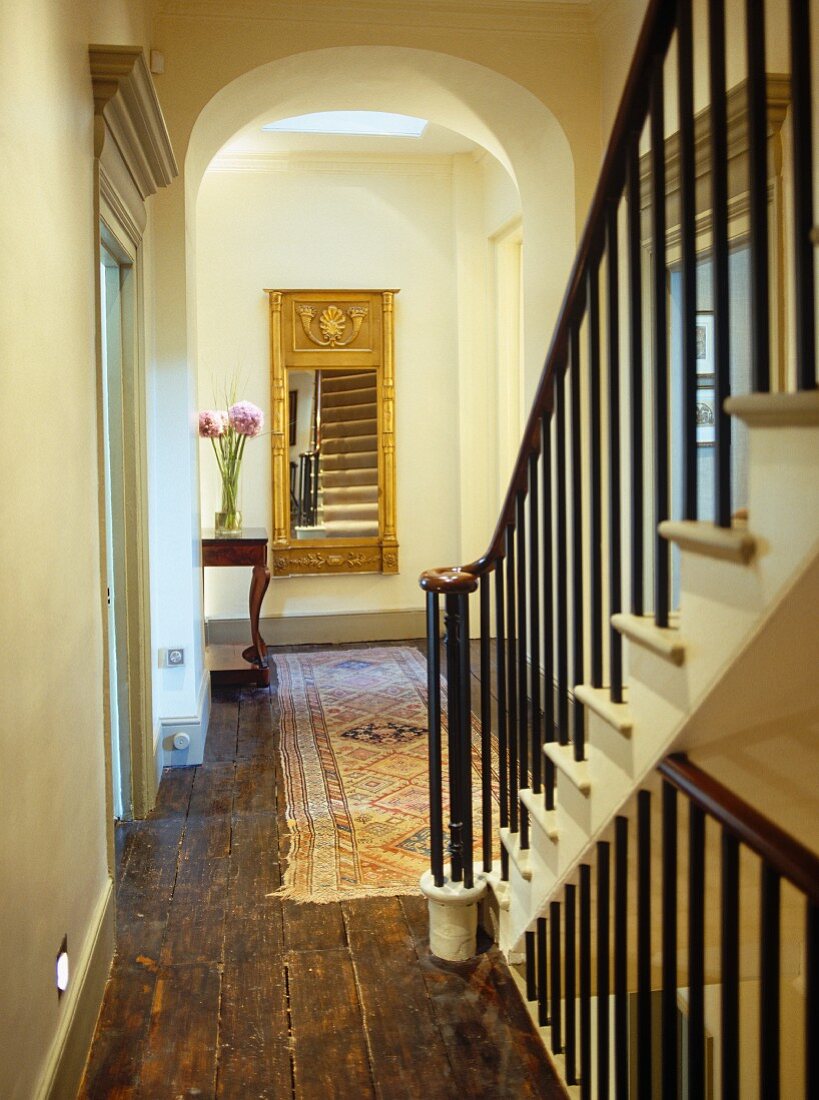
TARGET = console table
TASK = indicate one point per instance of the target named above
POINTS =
(230, 664)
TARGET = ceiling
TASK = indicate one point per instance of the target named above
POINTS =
(435, 141)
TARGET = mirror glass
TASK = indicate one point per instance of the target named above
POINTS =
(333, 453)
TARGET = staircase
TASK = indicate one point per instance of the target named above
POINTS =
(632, 602)
(348, 470)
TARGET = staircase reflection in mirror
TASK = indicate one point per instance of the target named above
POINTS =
(336, 451)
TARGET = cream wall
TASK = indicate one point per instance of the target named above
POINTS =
(619, 28)
(53, 866)
(213, 50)
(266, 61)
(336, 222)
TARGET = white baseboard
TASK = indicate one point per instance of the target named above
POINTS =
(194, 725)
(69, 1051)
(351, 626)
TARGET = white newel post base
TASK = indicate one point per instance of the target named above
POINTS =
(453, 917)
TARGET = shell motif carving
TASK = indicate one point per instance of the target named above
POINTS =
(333, 323)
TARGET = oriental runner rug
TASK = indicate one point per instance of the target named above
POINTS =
(354, 759)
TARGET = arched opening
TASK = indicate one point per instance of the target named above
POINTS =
(438, 226)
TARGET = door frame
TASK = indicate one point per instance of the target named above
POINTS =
(123, 242)
(133, 158)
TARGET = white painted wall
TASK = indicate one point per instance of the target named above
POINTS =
(342, 223)
(52, 774)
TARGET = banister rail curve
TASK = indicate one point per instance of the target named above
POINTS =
(655, 36)
(784, 853)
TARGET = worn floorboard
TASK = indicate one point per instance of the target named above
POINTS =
(221, 988)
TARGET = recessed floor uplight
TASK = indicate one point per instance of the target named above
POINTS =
(62, 967)
(374, 123)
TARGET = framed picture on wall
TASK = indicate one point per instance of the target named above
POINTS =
(706, 417)
(705, 348)
(292, 405)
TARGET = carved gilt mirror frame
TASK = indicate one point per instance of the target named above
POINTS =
(332, 380)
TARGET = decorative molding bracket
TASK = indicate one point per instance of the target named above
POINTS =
(126, 105)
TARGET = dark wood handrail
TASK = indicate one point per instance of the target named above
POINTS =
(655, 36)
(786, 855)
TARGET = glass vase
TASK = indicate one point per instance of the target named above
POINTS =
(228, 520)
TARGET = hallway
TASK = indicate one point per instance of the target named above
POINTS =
(220, 990)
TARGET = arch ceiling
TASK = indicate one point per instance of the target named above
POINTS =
(495, 112)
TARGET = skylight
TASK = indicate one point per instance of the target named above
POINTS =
(373, 123)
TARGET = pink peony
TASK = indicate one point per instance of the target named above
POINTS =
(246, 418)
(212, 423)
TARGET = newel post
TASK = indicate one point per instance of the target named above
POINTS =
(453, 898)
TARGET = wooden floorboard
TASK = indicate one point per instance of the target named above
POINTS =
(180, 1047)
(330, 1057)
(398, 1020)
(222, 988)
(254, 1040)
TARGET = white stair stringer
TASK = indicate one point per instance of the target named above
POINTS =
(727, 596)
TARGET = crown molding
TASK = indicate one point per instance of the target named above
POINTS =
(544, 18)
(127, 108)
(343, 163)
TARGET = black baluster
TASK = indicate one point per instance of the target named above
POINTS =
(500, 681)
(688, 298)
(802, 152)
(554, 943)
(512, 678)
(465, 741)
(595, 487)
(669, 994)
(615, 563)
(536, 716)
(758, 193)
(621, 1080)
(644, 1048)
(436, 815)
(542, 974)
(531, 984)
(569, 960)
(453, 681)
(523, 678)
(578, 733)
(696, 950)
(562, 557)
(659, 318)
(585, 982)
(769, 985)
(486, 728)
(548, 614)
(729, 950)
(635, 330)
(719, 233)
(811, 999)
(603, 911)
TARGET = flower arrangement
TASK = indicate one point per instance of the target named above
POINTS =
(228, 433)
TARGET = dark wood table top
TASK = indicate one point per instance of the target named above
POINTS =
(247, 534)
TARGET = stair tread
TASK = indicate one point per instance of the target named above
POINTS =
(562, 756)
(519, 856)
(546, 820)
(698, 536)
(776, 410)
(666, 642)
(364, 444)
(618, 715)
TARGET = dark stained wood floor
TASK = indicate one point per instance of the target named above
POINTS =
(221, 989)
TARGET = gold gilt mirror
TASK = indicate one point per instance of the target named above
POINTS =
(333, 436)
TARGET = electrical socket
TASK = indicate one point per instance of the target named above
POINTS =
(175, 657)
